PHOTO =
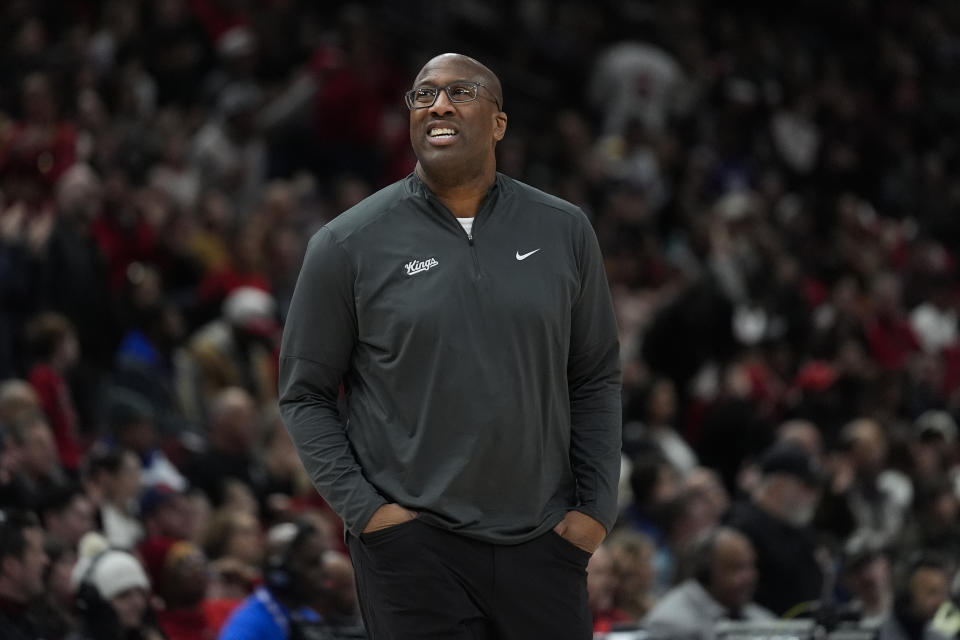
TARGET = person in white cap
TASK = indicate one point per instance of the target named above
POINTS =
(112, 594)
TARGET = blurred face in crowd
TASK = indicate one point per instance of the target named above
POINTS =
(454, 142)
(662, 406)
(26, 572)
(601, 580)
(39, 455)
(871, 582)
(125, 485)
(173, 517)
(788, 498)
(234, 423)
(75, 520)
(706, 483)
(38, 102)
(634, 569)
(307, 574)
(339, 583)
(929, 588)
(733, 574)
(130, 605)
(58, 584)
(804, 435)
(801, 502)
(187, 575)
(868, 446)
(246, 539)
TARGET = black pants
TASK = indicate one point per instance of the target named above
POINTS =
(418, 581)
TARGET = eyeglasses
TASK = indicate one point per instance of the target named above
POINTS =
(457, 92)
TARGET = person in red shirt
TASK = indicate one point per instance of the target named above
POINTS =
(36, 151)
(53, 341)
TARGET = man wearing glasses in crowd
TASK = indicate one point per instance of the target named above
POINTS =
(468, 318)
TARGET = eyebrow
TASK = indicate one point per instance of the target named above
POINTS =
(427, 83)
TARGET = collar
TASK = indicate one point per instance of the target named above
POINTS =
(417, 186)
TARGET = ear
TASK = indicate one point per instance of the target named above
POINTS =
(499, 126)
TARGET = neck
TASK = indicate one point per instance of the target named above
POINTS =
(462, 195)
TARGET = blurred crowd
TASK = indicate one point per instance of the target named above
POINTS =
(771, 190)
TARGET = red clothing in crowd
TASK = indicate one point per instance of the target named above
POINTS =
(186, 624)
(604, 621)
(59, 409)
(891, 340)
(37, 153)
(122, 247)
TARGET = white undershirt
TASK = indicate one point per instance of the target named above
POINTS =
(467, 224)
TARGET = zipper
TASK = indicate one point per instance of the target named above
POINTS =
(473, 251)
(486, 204)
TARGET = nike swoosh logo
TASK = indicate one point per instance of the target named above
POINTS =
(526, 255)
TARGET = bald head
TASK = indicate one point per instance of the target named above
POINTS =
(16, 397)
(474, 70)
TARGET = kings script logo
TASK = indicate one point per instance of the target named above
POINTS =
(418, 266)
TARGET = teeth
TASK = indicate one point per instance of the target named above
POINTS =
(441, 132)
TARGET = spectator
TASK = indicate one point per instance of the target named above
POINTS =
(40, 148)
(293, 575)
(922, 588)
(114, 477)
(720, 587)
(235, 536)
(166, 515)
(112, 594)
(933, 522)
(338, 604)
(67, 515)
(181, 573)
(776, 519)
(632, 554)
(23, 561)
(54, 346)
(866, 573)
(229, 152)
(876, 499)
(655, 484)
(601, 592)
(232, 453)
(132, 424)
(57, 603)
(236, 349)
(36, 469)
(16, 396)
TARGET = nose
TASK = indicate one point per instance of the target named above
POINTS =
(442, 105)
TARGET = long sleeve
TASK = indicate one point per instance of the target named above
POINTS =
(318, 340)
(593, 374)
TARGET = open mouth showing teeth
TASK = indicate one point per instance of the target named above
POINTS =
(441, 133)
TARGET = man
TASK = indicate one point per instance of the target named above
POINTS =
(866, 574)
(722, 587)
(777, 519)
(36, 467)
(923, 588)
(469, 319)
(22, 563)
(293, 575)
(232, 448)
(67, 514)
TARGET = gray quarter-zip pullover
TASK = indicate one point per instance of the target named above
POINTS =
(481, 372)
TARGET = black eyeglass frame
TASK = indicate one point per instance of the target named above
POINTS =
(409, 96)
